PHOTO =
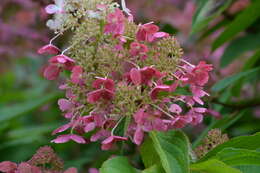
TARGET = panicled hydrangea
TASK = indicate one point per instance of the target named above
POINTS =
(213, 139)
(38, 163)
(122, 74)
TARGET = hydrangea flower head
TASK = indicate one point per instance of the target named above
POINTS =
(122, 73)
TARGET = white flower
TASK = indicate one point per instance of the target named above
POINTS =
(93, 14)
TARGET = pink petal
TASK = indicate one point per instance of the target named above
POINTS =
(51, 72)
(52, 8)
(198, 100)
(89, 127)
(26, 168)
(76, 74)
(77, 139)
(100, 134)
(108, 140)
(7, 166)
(71, 170)
(200, 110)
(175, 109)
(214, 113)
(161, 34)
(61, 129)
(135, 76)
(139, 116)
(93, 170)
(49, 49)
(65, 104)
(155, 91)
(61, 139)
(107, 146)
(138, 136)
(94, 96)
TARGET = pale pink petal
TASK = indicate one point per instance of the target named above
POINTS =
(61, 139)
(61, 129)
(200, 110)
(49, 49)
(135, 76)
(52, 8)
(51, 72)
(65, 104)
(77, 139)
(7, 166)
(93, 170)
(161, 34)
(175, 109)
(138, 136)
(89, 127)
(71, 170)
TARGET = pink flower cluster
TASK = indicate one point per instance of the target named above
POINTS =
(169, 100)
(37, 164)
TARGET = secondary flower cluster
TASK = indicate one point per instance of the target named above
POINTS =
(126, 79)
(44, 155)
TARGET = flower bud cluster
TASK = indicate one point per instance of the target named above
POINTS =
(44, 161)
(122, 75)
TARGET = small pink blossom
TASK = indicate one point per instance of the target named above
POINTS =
(26, 168)
(149, 32)
(55, 8)
(49, 49)
(7, 166)
(175, 109)
(63, 60)
(101, 134)
(199, 74)
(161, 35)
(97, 95)
(62, 128)
(51, 72)
(149, 121)
(68, 137)
(139, 135)
(109, 142)
(115, 23)
(71, 170)
(105, 82)
(155, 91)
(214, 113)
(138, 49)
(76, 76)
(181, 121)
(93, 170)
(64, 104)
(146, 32)
(135, 76)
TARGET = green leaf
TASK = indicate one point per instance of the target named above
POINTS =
(222, 84)
(250, 63)
(240, 23)
(240, 159)
(213, 166)
(239, 46)
(9, 112)
(33, 131)
(207, 11)
(148, 153)
(153, 169)
(117, 165)
(214, 28)
(242, 142)
(173, 150)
